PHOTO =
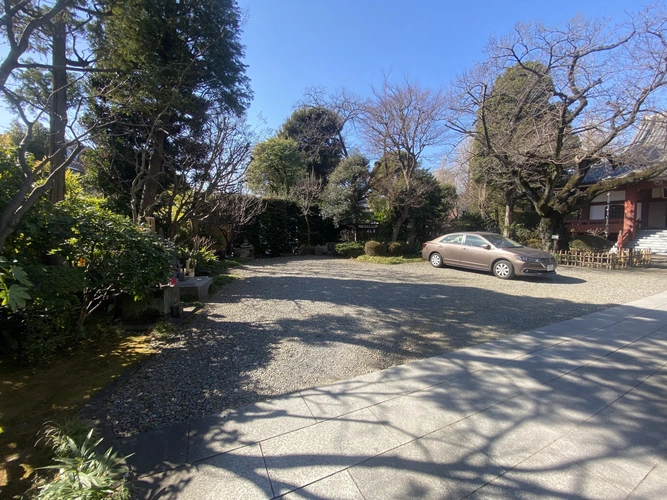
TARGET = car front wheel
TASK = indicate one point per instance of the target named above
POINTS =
(436, 260)
(503, 269)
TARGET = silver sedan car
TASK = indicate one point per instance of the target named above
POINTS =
(488, 252)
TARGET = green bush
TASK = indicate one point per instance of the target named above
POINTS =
(534, 243)
(79, 257)
(83, 472)
(276, 230)
(349, 249)
(396, 248)
(373, 248)
(590, 243)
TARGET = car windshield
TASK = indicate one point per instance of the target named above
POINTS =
(501, 242)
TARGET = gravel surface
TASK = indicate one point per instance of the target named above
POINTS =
(294, 323)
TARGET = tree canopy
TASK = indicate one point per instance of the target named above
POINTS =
(347, 187)
(316, 132)
(571, 100)
(276, 166)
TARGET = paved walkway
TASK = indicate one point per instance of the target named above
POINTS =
(573, 410)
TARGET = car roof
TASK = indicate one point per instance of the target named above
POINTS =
(480, 233)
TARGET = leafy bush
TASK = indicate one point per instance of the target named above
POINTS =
(396, 248)
(590, 243)
(83, 472)
(57, 435)
(350, 249)
(276, 230)
(373, 248)
(80, 257)
(524, 234)
(116, 255)
(14, 285)
(534, 243)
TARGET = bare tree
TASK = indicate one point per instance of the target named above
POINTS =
(232, 211)
(202, 175)
(306, 194)
(404, 122)
(586, 88)
(347, 106)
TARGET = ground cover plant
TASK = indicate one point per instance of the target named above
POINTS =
(379, 259)
(53, 391)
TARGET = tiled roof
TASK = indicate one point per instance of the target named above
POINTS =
(648, 145)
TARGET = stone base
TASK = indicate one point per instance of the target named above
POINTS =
(195, 288)
(157, 305)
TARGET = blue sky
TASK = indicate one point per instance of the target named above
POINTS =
(293, 44)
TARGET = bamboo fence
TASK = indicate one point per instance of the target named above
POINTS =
(624, 258)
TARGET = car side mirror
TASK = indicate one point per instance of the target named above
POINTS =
(486, 246)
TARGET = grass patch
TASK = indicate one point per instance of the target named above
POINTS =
(388, 260)
(55, 390)
(219, 281)
(163, 330)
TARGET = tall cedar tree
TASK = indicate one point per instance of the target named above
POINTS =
(179, 62)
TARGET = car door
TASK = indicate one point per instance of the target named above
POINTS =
(450, 248)
(473, 253)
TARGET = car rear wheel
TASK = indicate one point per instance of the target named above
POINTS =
(503, 269)
(436, 260)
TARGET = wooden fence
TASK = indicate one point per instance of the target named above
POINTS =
(627, 257)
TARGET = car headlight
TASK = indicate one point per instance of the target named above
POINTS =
(529, 259)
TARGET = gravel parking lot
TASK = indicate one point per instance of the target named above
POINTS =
(295, 323)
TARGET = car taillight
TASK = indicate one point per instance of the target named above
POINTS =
(423, 245)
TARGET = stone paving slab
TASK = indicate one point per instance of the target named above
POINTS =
(229, 430)
(576, 409)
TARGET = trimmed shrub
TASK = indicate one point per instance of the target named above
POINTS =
(396, 248)
(590, 243)
(349, 249)
(373, 248)
(534, 243)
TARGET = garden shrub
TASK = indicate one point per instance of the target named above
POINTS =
(534, 243)
(349, 249)
(79, 257)
(373, 248)
(116, 255)
(276, 230)
(590, 243)
(83, 472)
(396, 248)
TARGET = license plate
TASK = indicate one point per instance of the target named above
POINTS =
(550, 267)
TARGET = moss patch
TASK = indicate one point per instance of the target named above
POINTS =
(55, 389)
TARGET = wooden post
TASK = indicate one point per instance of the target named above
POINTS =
(630, 213)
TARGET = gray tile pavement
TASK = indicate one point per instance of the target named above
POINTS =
(573, 410)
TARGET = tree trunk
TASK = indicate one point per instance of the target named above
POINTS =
(154, 169)
(58, 119)
(509, 215)
(399, 223)
(308, 230)
(554, 226)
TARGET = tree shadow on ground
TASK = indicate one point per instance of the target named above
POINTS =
(392, 323)
(573, 418)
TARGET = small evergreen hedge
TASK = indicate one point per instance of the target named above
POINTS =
(396, 248)
(373, 248)
(349, 249)
(590, 243)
